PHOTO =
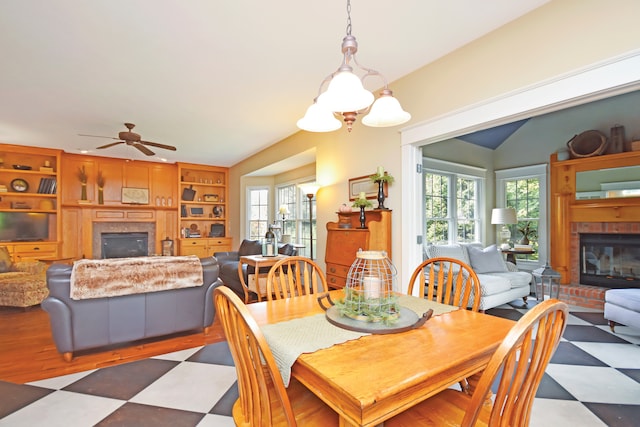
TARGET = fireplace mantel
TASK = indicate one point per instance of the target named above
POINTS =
(567, 212)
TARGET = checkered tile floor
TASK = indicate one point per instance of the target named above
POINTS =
(592, 380)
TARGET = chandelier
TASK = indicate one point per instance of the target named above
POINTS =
(346, 96)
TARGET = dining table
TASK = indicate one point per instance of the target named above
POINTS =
(369, 378)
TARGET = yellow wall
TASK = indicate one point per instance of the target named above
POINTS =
(560, 37)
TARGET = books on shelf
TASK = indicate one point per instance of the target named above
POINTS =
(47, 186)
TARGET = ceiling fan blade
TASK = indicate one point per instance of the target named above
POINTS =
(97, 136)
(110, 145)
(155, 144)
(144, 149)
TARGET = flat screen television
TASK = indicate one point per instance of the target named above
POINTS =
(24, 226)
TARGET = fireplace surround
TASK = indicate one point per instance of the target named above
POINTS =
(100, 228)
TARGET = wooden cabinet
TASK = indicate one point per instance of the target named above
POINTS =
(203, 209)
(204, 247)
(344, 243)
(29, 199)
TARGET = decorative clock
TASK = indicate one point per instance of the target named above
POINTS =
(19, 185)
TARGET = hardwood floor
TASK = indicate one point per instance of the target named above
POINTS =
(27, 351)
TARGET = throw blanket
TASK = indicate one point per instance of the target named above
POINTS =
(99, 278)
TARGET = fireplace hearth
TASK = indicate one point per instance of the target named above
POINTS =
(610, 260)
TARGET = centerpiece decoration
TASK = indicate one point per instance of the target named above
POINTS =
(370, 302)
(362, 203)
(381, 177)
(368, 294)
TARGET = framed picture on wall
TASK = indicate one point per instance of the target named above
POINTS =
(364, 183)
(135, 196)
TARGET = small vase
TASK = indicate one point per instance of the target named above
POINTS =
(83, 194)
(523, 241)
(381, 194)
(100, 196)
(362, 218)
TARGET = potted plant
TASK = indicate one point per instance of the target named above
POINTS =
(381, 177)
(362, 203)
(528, 231)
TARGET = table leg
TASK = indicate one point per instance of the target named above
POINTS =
(245, 288)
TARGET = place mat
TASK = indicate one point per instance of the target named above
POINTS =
(289, 339)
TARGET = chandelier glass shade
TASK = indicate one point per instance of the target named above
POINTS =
(346, 96)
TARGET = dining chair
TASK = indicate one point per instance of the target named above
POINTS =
(294, 276)
(263, 399)
(517, 366)
(447, 281)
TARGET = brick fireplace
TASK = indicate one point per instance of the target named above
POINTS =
(587, 295)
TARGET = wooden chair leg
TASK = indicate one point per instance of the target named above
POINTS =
(612, 325)
(525, 299)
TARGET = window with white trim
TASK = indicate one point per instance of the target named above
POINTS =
(257, 212)
(452, 202)
(525, 190)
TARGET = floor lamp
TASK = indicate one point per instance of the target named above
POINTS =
(310, 190)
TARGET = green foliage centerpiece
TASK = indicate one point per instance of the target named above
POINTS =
(368, 293)
(382, 178)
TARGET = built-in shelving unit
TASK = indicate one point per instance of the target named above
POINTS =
(203, 222)
(29, 184)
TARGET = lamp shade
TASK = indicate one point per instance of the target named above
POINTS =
(386, 111)
(309, 188)
(318, 119)
(345, 93)
(503, 216)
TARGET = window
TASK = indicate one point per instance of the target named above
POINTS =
(452, 202)
(286, 196)
(258, 212)
(297, 221)
(524, 189)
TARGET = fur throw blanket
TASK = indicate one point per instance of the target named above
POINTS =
(100, 278)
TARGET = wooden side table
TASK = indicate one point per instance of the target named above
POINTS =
(511, 254)
(257, 261)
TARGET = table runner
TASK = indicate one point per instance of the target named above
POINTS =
(289, 339)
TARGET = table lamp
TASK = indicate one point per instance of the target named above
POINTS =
(504, 216)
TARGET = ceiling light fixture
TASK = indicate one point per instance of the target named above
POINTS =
(347, 97)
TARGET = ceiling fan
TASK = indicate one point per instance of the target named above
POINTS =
(133, 139)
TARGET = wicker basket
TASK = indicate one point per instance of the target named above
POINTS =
(587, 144)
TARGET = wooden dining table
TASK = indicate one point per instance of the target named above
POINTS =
(370, 379)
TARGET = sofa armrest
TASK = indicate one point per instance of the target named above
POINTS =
(511, 266)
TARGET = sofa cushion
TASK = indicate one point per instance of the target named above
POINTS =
(516, 279)
(250, 247)
(450, 251)
(491, 284)
(487, 260)
(5, 260)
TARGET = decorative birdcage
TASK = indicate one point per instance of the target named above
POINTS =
(369, 291)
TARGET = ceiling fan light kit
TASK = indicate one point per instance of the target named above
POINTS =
(346, 96)
(133, 139)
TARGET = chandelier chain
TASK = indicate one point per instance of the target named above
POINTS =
(348, 17)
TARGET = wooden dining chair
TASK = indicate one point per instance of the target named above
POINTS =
(519, 362)
(447, 281)
(294, 276)
(263, 399)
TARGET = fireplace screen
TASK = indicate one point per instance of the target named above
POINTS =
(610, 260)
(124, 245)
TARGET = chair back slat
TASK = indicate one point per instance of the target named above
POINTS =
(521, 360)
(295, 276)
(448, 281)
(262, 396)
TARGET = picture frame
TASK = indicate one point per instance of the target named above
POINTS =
(135, 196)
(364, 183)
